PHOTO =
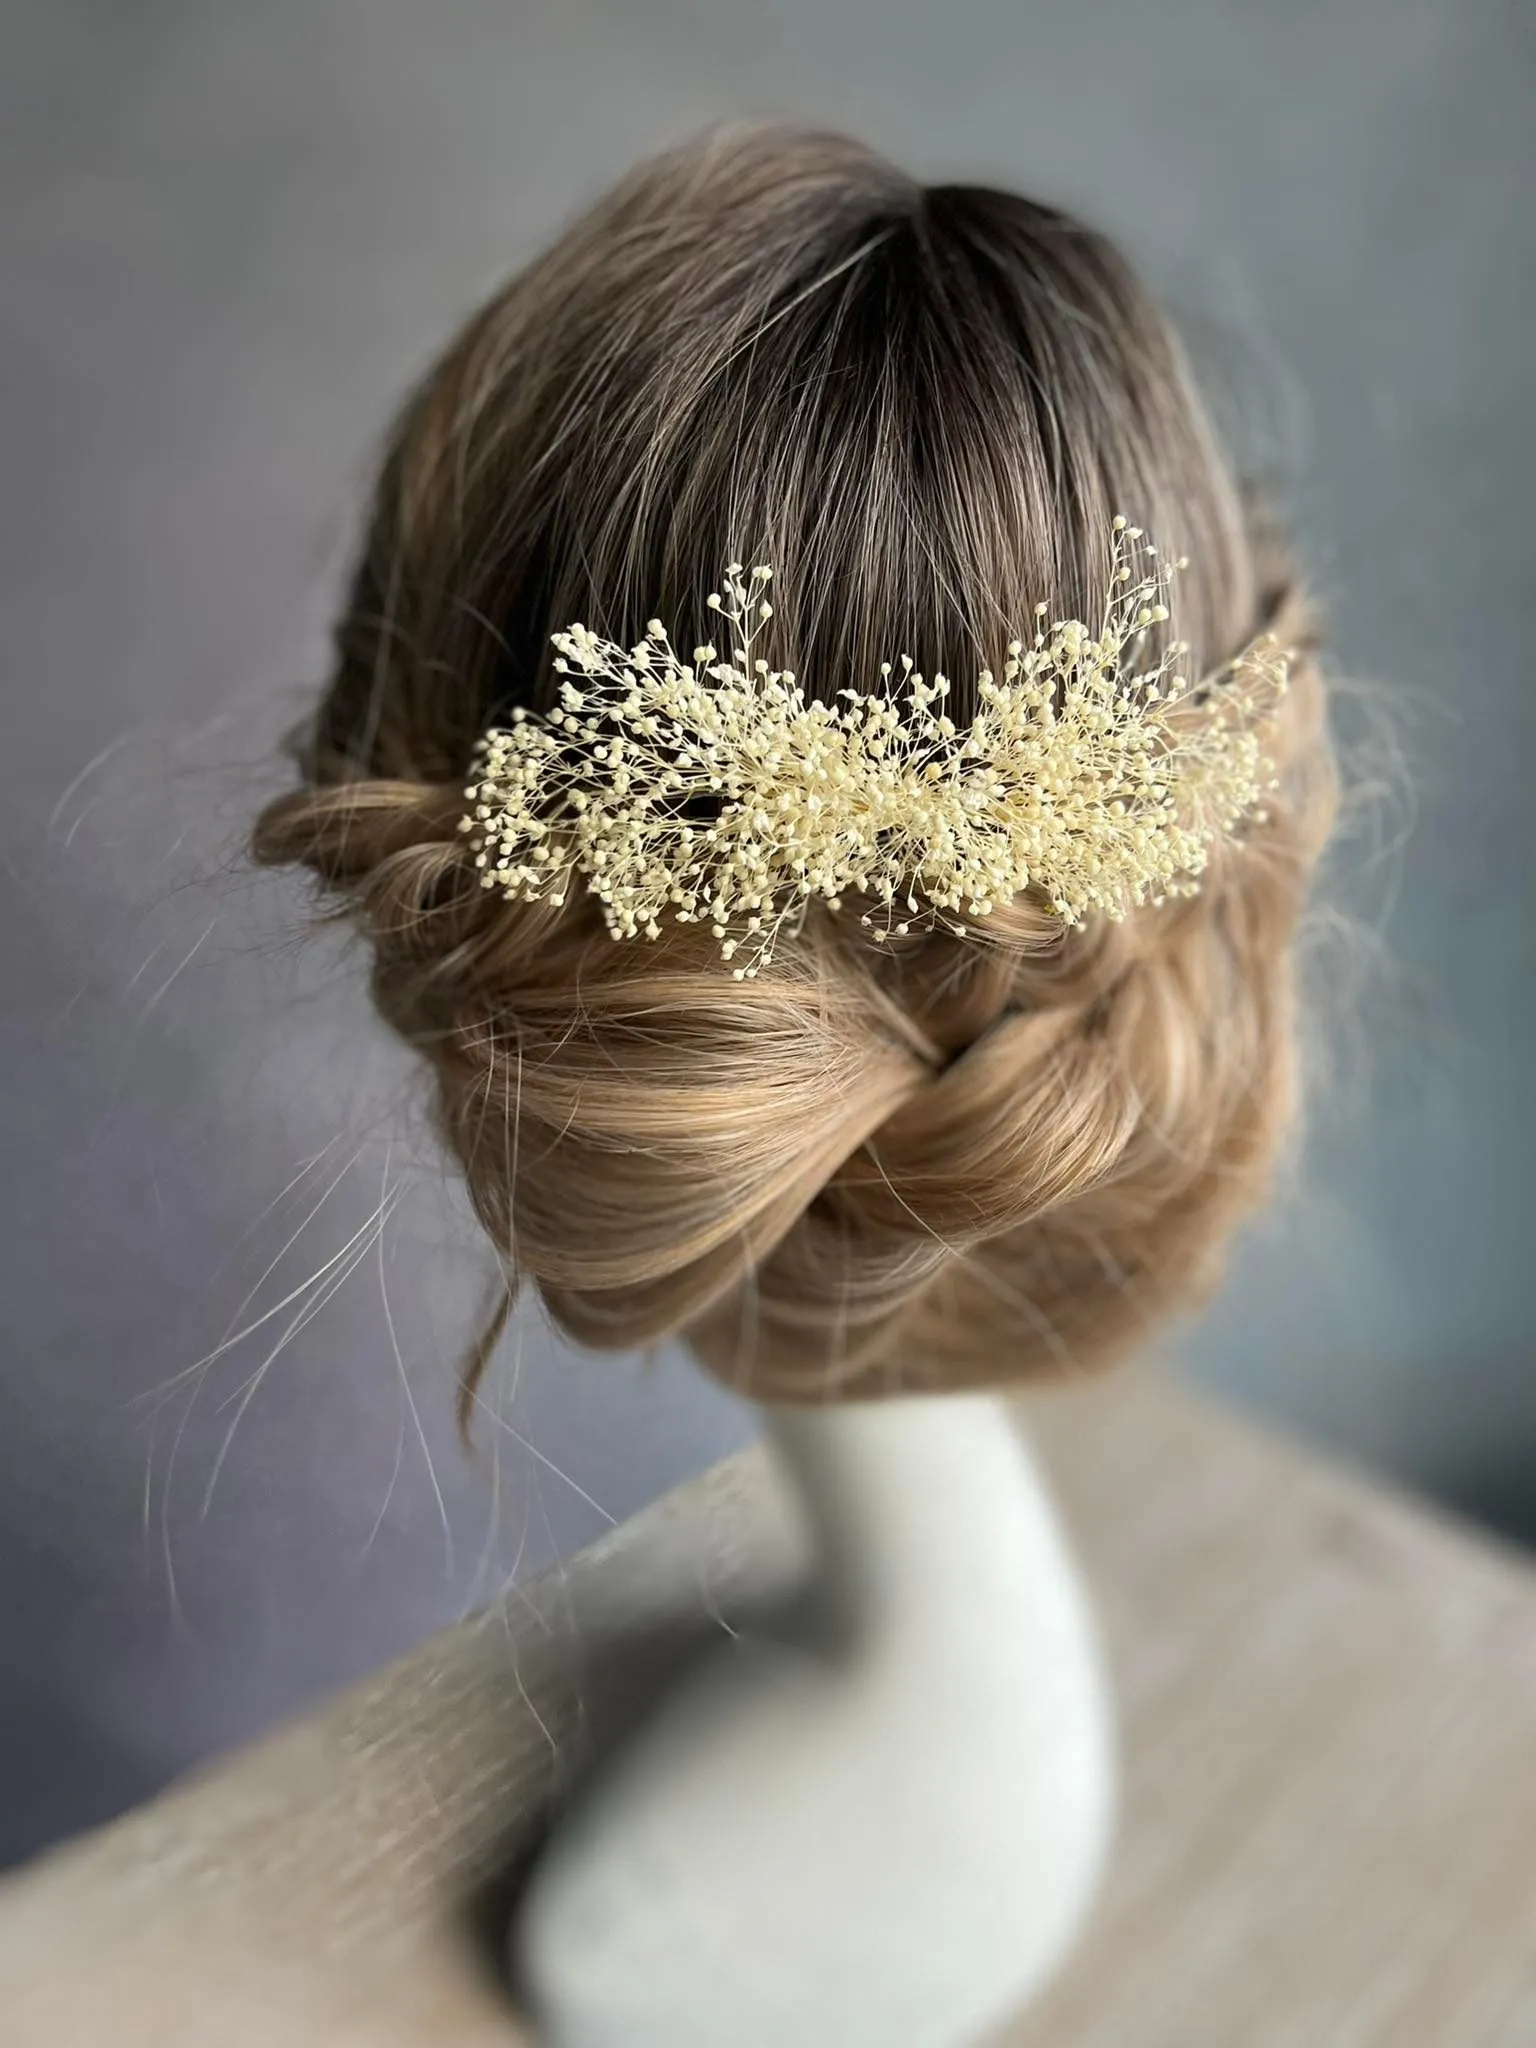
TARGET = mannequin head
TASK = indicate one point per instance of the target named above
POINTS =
(935, 1162)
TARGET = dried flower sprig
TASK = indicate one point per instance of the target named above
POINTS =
(711, 790)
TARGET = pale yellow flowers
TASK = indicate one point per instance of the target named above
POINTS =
(712, 791)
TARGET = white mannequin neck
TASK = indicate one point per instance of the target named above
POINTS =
(922, 1511)
(880, 1824)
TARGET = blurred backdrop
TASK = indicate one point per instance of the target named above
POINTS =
(235, 1279)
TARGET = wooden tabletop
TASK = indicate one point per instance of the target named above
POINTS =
(1328, 1698)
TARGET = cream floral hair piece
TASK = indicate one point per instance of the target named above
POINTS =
(710, 790)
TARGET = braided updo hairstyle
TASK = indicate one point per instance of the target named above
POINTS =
(938, 1162)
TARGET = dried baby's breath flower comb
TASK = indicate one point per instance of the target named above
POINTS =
(712, 791)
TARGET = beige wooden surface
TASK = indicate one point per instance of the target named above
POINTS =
(1329, 1709)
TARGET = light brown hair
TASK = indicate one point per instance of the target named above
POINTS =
(939, 1163)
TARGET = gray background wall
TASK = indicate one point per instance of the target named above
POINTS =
(231, 234)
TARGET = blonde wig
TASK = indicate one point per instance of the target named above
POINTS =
(928, 1160)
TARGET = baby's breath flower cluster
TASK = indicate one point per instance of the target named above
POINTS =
(712, 791)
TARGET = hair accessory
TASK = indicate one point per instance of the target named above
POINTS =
(711, 790)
